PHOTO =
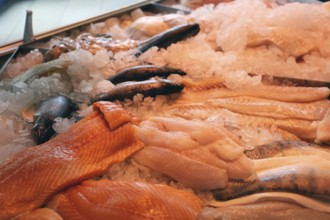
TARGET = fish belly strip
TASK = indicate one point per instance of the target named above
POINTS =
(304, 178)
(273, 109)
(106, 199)
(279, 93)
(87, 149)
(275, 196)
(190, 173)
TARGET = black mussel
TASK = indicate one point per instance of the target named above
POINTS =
(128, 90)
(168, 37)
(143, 72)
(45, 113)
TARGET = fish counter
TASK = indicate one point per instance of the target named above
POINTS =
(200, 111)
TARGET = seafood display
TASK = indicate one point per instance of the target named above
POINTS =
(222, 112)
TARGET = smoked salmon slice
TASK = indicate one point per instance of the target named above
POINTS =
(29, 178)
(105, 199)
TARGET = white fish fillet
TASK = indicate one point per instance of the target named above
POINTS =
(273, 109)
(279, 93)
(178, 145)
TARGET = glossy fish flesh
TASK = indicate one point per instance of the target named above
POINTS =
(106, 199)
(273, 109)
(195, 153)
(29, 178)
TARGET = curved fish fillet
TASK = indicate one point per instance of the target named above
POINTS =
(273, 109)
(106, 199)
(304, 129)
(86, 150)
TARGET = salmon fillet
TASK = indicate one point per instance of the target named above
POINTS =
(29, 178)
(106, 199)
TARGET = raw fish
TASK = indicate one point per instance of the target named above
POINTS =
(106, 199)
(29, 178)
(197, 154)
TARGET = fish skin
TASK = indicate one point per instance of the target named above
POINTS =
(168, 37)
(287, 148)
(30, 177)
(303, 175)
(273, 109)
(143, 72)
(128, 90)
(125, 200)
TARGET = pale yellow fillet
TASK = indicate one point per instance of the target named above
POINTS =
(200, 93)
(273, 109)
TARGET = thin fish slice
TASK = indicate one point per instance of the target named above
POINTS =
(40, 214)
(273, 109)
(86, 150)
(106, 199)
(279, 93)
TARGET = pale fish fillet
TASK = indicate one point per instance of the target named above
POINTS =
(292, 198)
(273, 109)
(106, 199)
(279, 93)
(194, 142)
(301, 174)
(189, 172)
(287, 148)
(304, 129)
(323, 129)
(270, 210)
(87, 149)
(40, 214)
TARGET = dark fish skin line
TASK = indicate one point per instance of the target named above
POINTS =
(303, 182)
(46, 111)
(128, 90)
(168, 37)
(280, 148)
(143, 72)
